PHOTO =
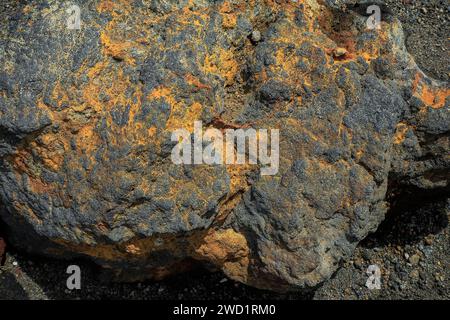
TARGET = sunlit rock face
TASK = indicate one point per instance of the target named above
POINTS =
(86, 117)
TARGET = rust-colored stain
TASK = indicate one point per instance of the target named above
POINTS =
(431, 96)
(400, 133)
(226, 249)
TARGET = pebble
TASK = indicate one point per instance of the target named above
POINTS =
(427, 251)
(414, 274)
(256, 36)
(339, 52)
(414, 259)
(438, 277)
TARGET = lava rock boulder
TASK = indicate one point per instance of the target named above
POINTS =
(86, 117)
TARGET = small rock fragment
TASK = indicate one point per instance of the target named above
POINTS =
(256, 36)
(414, 259)
(428, 241)
(339, 52)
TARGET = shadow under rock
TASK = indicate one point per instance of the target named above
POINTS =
(415, 214)
(198, 284)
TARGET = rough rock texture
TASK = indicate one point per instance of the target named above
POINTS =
(86, 117)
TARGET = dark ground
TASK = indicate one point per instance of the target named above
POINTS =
(411, 247)
(426, 25)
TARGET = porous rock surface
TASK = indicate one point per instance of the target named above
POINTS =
(86, 118)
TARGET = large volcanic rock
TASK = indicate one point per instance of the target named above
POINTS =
(86, 118)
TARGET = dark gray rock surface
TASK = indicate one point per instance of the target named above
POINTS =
(86, 118)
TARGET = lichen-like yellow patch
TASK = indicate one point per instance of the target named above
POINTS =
(181, 116)
(228, 249)
(432, 97)
(400, 133)
(222, 63)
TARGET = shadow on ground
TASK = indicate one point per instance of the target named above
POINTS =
(414, 215)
